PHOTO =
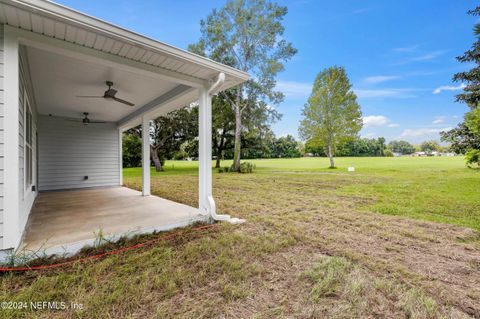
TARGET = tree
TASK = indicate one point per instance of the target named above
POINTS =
(472, 121)
(466, 136)
(131, 150)
(248, 35)
(402, 147)
(223, 126)
(332, 115)
(168, 133)
(461, 139)
(471, 92)
(362, 147)
(286, 146)
(429, 146)
(381, 145)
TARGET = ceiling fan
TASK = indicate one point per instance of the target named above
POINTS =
(108, 95)
(84, 120)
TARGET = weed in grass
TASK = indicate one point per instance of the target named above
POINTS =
(327, 276)
(417, 305)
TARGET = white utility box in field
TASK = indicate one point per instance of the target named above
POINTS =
(351, 169)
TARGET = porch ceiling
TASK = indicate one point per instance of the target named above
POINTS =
(58, 80)
(52, 20)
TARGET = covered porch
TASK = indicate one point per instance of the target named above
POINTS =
(74, 84)
(65, 221)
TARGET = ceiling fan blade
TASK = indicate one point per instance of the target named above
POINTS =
(90, 96)
(97, 122)
(71, 119)
(123, 101)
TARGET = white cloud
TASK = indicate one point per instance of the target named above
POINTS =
(424, 132)
(294, 89)
(374, 120)
(369, 135)
(380, 78)
(392, 125)
(412, 48)
(448, 88)
(381, 93)
(422, 58)
(439, 120)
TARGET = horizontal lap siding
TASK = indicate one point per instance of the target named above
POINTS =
(69, 151)
(1, 135)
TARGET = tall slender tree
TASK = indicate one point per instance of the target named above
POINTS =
(332, 115)
(248, 35)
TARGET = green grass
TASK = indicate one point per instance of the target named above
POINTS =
(438, 189)
(318, 243)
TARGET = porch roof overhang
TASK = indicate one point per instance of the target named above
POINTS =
(45, 25)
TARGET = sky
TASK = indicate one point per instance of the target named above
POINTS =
(399, 55)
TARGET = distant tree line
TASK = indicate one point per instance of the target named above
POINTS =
(174, 136)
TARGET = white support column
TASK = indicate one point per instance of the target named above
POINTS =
(11, 222)
(145, 156)
(120, 157)
(205, 152)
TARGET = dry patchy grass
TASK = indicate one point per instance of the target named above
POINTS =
(308, 250)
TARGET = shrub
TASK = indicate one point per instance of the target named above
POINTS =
(223, 169)
(388, 153)
(245, 168)
(473, 157)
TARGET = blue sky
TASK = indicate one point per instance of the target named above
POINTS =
(399, 55)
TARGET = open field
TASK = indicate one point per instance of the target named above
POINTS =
(437, 189)
(317, 243)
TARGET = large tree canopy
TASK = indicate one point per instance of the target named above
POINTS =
(332, 115)
(167, 134)
(248, 35)
(401, 147)
(466, 136)
(471, 92)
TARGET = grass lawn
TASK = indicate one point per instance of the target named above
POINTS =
(396, 238)
(436, 189)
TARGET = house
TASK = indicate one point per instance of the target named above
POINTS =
(417, 154)
(70, 85)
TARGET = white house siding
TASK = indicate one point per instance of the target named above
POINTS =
(26, 193)
(69, 151)
(1, 136)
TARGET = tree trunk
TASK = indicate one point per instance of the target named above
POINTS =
(238, 139)
(155, 159)
(330, 156)
(220, 149)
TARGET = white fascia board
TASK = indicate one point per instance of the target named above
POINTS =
(61, 13)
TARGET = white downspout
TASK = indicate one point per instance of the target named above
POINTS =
(206, 201)
(220, 80)
(211, 202)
